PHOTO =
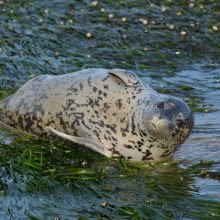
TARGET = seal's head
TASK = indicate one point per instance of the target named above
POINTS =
(170, 121)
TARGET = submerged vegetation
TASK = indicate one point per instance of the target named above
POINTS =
(46, 179)
(103, 188)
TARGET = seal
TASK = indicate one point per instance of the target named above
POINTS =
(109, 111)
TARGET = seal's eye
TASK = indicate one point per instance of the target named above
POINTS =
(179, 123)
(160, 105)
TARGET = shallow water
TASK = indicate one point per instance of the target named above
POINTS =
(204, 142)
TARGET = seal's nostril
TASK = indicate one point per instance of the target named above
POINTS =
(160, 105)
(179, 123)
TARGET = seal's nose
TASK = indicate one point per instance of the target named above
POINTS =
(179, 123)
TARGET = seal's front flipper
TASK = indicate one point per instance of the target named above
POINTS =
(94, 145)
(129, 78)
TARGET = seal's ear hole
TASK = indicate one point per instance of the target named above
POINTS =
(160, 105)
(179, 123)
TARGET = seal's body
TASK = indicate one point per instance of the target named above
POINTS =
(111, 112)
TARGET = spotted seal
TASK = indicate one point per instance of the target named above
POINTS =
(110, 111)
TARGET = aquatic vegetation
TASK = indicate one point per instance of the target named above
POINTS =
(103, 188)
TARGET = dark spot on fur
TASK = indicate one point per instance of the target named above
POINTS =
(69, 102)
(127, 146)
(72, 89)
(100, 92)
(142, 133)
(131, 141)
(20, 122)
(122, 120)
(39, 108)
(140, 143)
(108, 132)
(165, 154)
(117, 153)
(28, 122)
(90, 102)
(124, 130)
(40, 127)
(114, 139)
(79, 119)
(81, 86)
(152, 139)
(134, 133)
(118, 103)
(139, 90)
(112, 127)
(105, 78)
(96, 103)
(106, 106)
(62, 123)
(147, 156)
(89, 81)
(113, 145)
(19, 105)
(97, 134)
(133, 125)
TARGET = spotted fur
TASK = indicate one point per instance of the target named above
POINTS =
(114, 108)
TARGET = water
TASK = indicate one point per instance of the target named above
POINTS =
(204, 142)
